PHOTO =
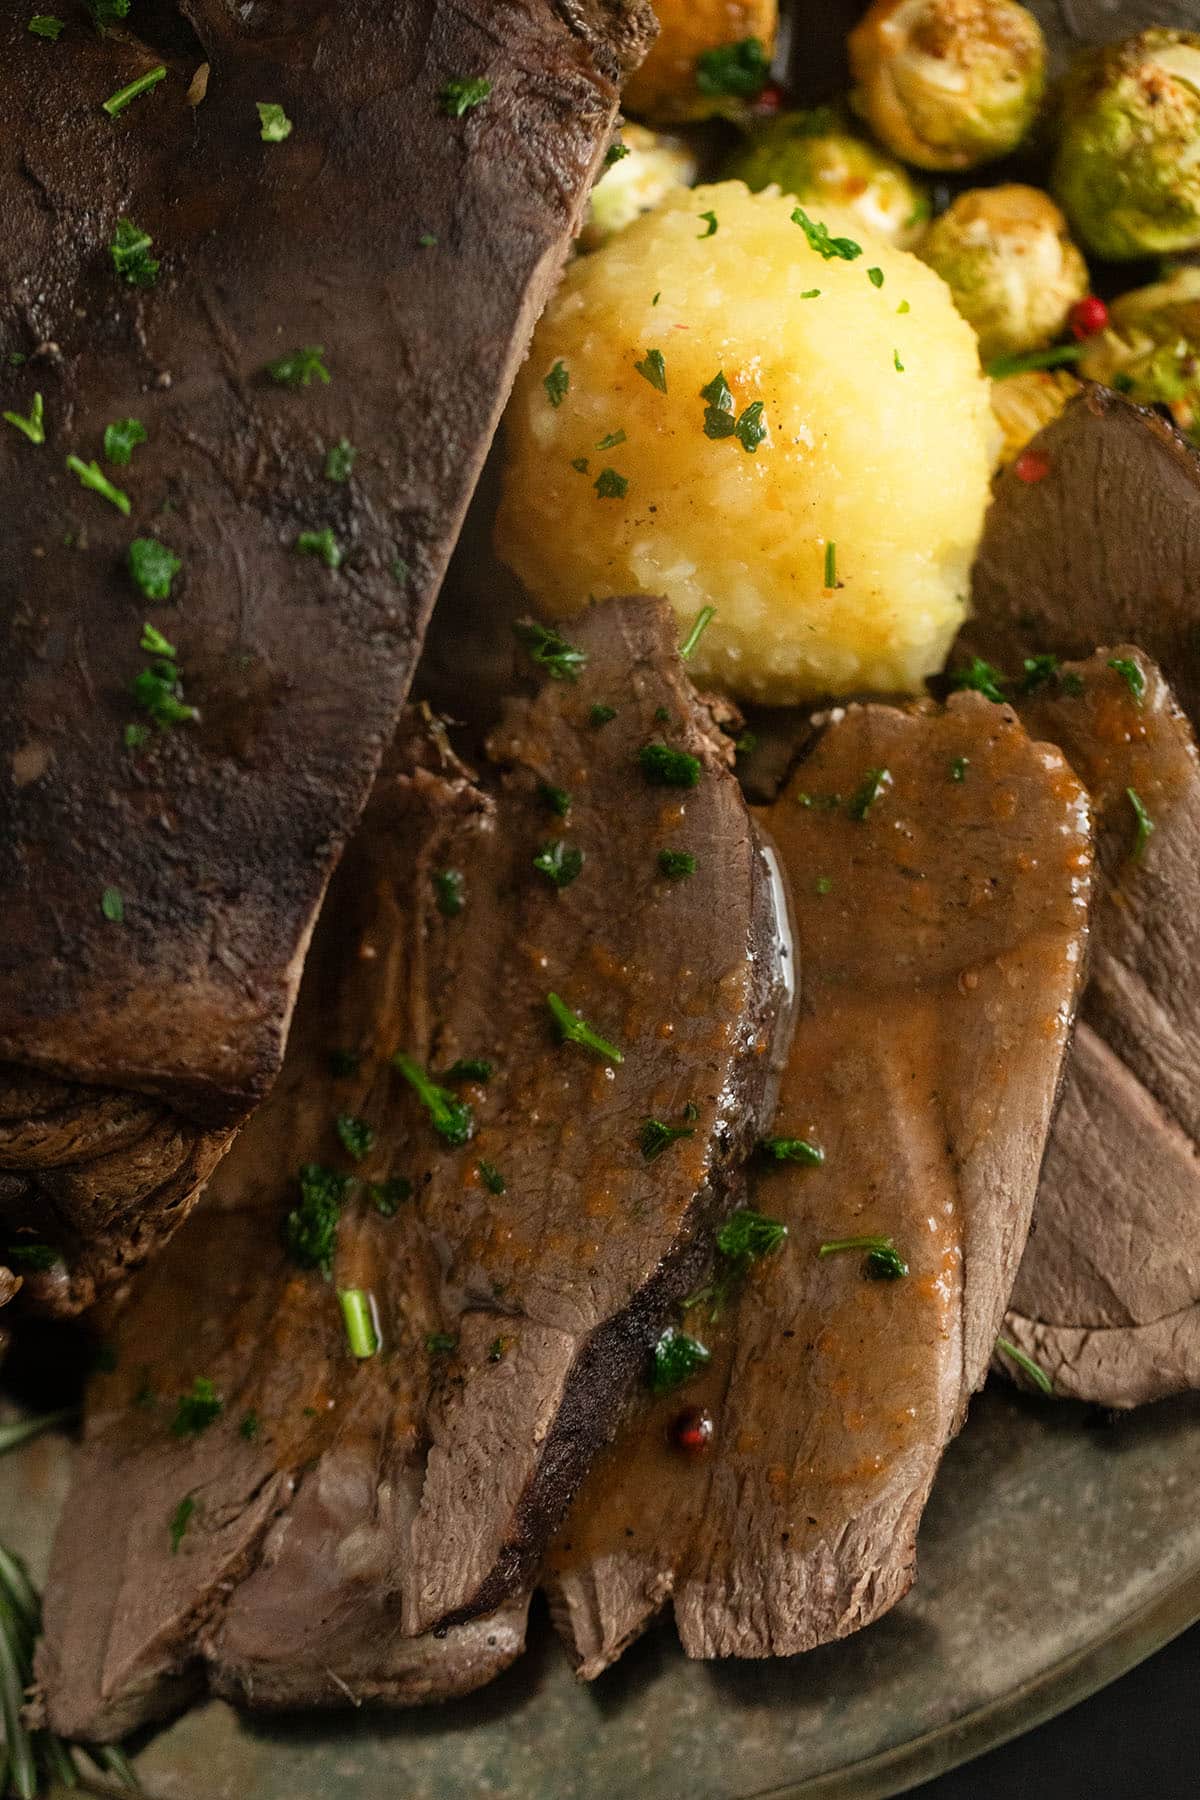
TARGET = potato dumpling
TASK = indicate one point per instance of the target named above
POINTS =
(785, 422)
(671, 84)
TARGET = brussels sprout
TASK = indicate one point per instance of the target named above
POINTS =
(652, 165)
(711, 58)
(1007, 258)
(1128, 165)
(813, 157)
(1151, 350)
(1023, 404)
(947, 84)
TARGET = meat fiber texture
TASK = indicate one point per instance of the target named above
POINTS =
(342, 1508)
(1107, 1301)
(416, 249)
(940, 869)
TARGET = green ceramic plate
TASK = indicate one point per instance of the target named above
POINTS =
(1053, 1557)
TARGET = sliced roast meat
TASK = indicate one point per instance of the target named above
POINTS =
(414, 236)
(940, 868)
(518, 1279)
(1094, 538)
(1107, 1301)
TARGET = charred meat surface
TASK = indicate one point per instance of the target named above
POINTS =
(514, 1231)
(278, 364)
(1107, 1301)
(940, 868)
(1094, 538)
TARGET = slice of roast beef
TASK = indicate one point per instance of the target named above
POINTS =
(518, 1279)
(411, 224)
(1094, 538)
(940, 867)
(1107, 1301)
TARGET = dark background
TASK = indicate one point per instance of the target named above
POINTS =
(1138, 1739)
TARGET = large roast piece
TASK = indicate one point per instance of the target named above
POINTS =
(519, 1278)
(940, 869)
(158, 879)
(1108, 1297)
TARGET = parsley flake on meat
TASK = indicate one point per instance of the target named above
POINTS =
(300, 368)
(600, 714)
(556, 798)
(677, 1357)
(614, 154)
(1145, 824)
(153, 567)
(981, 677)
(116, 103)
(665, 767)
(274, 122)
(749, 1235)
(322, 544)
(655, 1137)
(470, 1068)
(575, 1030)
(310, 1229)
(1039, 672)
(676, 864)
(158, 689)
(561, 863)
(130, 252)
(462, 93)
(792, 1150)
(33, 426)
(1035, 1372)
(359, 1321)
(339, 460)
(491, 1177)
(356, 1137)
(875, 782)
(451, 1118)
(883, 1262)
(1131, 674)
(45, 25)
(197, 1409)
(180, 1520)
(92, 476)
(450, 890)
(121, 439)
(113, 906)
(387, 1197)
(550, 650)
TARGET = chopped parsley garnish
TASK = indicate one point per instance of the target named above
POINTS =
(344, 1062)
(34, 427)
(1070, 683)
(560, 862)
(820, 240)
(599, 714)
(823, 885)
(1054, 358)
(792, 1150)
(158, 689)
(121, 439)
(45, 25)
(831, 579)
(883, 1262)
(92, 476)
(739, 70)
(38, 1257)
(556, 798)
(130, 252)
(387, 1197)
(491, 1177)
(1039, 672)
(711, 224)
(274, 121)
(749, 1235)
(134, 736)
(310, 1229)
(197, 1409)
(357, 1138)
(250, 1428)
(611, 486)
(981, 677)
(875, 277)
(718, 413)
(441, 1343)
(450, 1117)
(750, 430)
(181, 1518)
(614, 154)
(1131, 674)
(1026, 1364)
(676, 864)
(470, 1068)
(461, 93)
(498, 1347)
(669, 768)
(575, 1030)
(107, 12)
(653, 369)
(811, 294)
(450, 888)
(700, 625)
(609, 443)
(556, 383)
(153, 567)
(550, 650)
(339, 460)
(359, 1321)
(322, 544)
(116, 103)
(300, 368)
(655, 1137)
(112, 905)
(904, 307)
(1145, 824)
(427, 241)
(677, 1357)
(579, 464)
(896, 363)
(874, 783)
(959, 767)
